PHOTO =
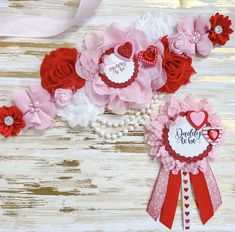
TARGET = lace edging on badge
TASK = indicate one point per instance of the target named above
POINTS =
(184, 136)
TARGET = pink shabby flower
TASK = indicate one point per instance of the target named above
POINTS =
(138, 93)
(195, 35)
(62, 97)
(38, 109)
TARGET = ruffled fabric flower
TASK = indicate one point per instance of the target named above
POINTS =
(159, 121)
(194, 32)
(62, 97)
(178, 69)
(220, 29)
(58, 70)
(155, 25)
(38, 109)
(118, 100)
(80, 111)
(11, 121)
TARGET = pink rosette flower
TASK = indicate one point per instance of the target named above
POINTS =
(135, 95)
(178, 43)
(62, 97)
(192, 37)
(38, 109)
(167, 115)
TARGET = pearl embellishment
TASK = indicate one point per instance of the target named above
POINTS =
(9, 121)
(34, 107)
(195, 37)
(127, 125)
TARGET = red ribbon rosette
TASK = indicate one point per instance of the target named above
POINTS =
(184, 135)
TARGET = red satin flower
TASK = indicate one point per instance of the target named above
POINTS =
(177, 67)
(58, 70)
(11, 121)
(220, 29)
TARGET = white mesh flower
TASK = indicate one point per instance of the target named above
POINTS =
(80, 111)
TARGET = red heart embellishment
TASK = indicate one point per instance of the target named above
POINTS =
(186, 189)
(213, 134)
(186, 205)
(197, 119)
(187, 220)
(149, 57)
(186, 213)
(184, 173)
(187, 228)
(185, 181)
(186, 198)
(125, 51)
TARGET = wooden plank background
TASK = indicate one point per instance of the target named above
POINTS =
(70, 180)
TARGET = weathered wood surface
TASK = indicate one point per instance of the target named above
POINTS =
(69, 180)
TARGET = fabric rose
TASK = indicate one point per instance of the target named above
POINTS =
(220, 29)
(11, 121)
(177, 67)
(38, 109)
(118, 100)
(58, 70)
(80, 111)
(62, 97)
(196, 32)
(179, 43)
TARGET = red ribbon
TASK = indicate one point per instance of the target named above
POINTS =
(205, 201)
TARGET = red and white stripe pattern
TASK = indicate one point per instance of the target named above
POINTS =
(208, 135)
(186, 199)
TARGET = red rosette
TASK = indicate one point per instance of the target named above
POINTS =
(178, 69)
(220, 29)
(11, 121)
(58, 70)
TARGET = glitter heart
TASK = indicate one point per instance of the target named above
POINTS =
(125, 51)
(186, 213)
(212, 135)
(149, 57)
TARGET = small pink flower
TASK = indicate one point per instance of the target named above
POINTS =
(178, 43)
(38, 109)
(196, 31)
(63, 97)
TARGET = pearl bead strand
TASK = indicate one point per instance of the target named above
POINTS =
(127, 125)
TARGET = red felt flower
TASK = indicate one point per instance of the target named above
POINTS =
(58, 70)
(220, 29)
(177, 67)
(11, 121)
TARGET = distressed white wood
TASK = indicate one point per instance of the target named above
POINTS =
(68, 179)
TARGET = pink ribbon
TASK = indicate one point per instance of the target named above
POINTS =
(36, 27)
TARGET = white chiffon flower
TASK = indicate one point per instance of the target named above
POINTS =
(80, 111)
(155, 25)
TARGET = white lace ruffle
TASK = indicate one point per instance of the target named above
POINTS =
(80, 111)
(155, 25)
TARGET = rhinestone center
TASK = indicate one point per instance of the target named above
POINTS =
(9, 121)
(218, 29)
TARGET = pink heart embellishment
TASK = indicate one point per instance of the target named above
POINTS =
(125, 51)
(197, 119)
